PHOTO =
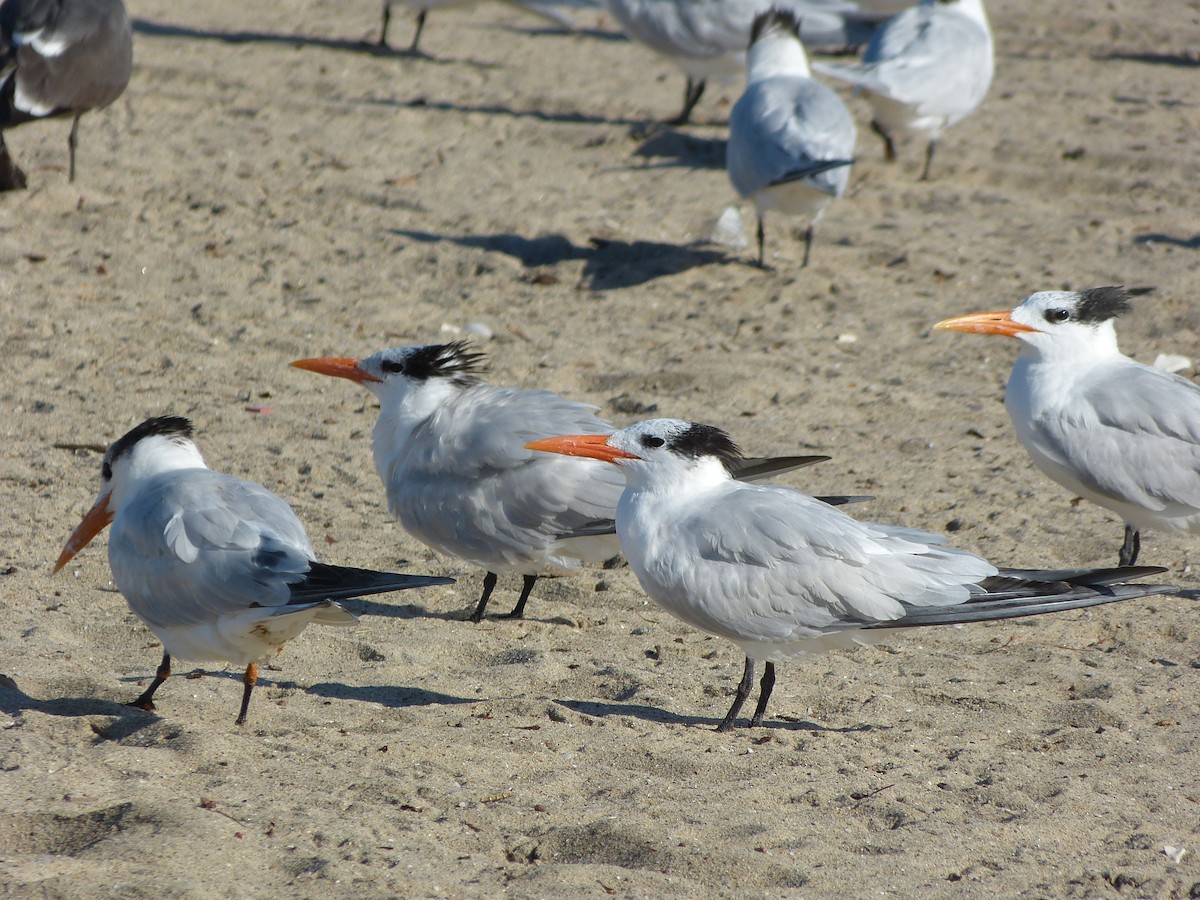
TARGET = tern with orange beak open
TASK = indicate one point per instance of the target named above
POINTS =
(782, 575)
(1118, 433)
(218, 568)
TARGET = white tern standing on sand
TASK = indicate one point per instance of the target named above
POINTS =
(924, 70)
(218, 568)
(781, 574)
(1123, 435)
(791, 139)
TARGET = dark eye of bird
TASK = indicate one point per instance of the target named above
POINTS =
(651, 440)
(391, 366)
(1058, 315)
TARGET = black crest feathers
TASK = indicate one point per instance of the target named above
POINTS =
(705, 440)
(1102, 303)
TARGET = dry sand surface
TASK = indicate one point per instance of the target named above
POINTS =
(270, 188)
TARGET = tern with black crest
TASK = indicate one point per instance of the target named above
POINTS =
(783, 575)
(59, 58)
(791, 139)
(1120, 434)
(217, 567)
(924, 70)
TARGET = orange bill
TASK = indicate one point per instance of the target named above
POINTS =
(590, 446)
(999, 322)
(336, 366)
(93, 523)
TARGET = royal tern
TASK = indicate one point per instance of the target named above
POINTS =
(924, 70)
(59, 58)
(791, 139)
(1121, 434)
(782, 575)
(450, 452)
(707, 39)
(218, 568)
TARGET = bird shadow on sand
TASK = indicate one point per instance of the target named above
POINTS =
(14, 701)
(391, 696)
(599, 710)
(572, 117)
(363, 607)
(1181, 60)
(608, 264)
(341, 45)
(1187, 243)
(670, 148)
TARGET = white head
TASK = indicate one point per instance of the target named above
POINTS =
(395, 374)
(1064, 324)
(775, 47)
(656, 450)
(161, 444)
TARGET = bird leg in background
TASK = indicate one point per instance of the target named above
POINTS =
(761, 235)
(808, 234)
(692, 92)
(72, 140)
(11, 176)
(764, 694)
(489, 584)
(519, 610)
(146, 701)
(1132, 546)
(928, 159)
(743, 691)
(412, 48)
(889, 149)
(387, 17)
(250, 679)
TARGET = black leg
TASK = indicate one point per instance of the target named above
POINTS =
(743, 691)
(72, 139)
(808, 233)
(889, 149)
(489, 585)
(928, 159)
(11, 176)
(412, 48)
(762, 263)
(1132, 546)
(519, 610)
(764, 694)
(250, 679)
(692, 92)
(146, 701)
(387, 18)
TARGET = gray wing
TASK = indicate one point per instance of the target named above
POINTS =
(771, 564)
(1136, 438)
(195, 544)
(466, 484)
(72, 56)
(925, 55)
(784, 128)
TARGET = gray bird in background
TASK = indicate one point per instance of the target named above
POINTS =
(791, 139)
(59, 58)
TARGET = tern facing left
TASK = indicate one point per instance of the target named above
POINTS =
(218, 568)
(791, 139)
(782, 575)
(1123, 435)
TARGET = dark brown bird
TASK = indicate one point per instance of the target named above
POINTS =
(59, 58)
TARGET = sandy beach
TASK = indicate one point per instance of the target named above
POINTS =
(272, 187)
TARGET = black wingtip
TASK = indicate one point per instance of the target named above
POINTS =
(329, 582)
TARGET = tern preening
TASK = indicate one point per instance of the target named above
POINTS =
(217, 567)
(59, 58)
(1123, 435)
(791, 139)
(781, 574)
(707, 39)
(924, 70)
